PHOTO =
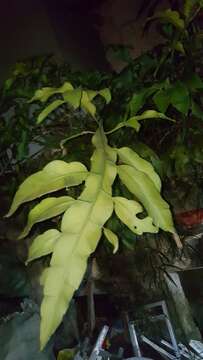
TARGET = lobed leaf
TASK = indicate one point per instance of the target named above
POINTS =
(126, 210)
(46, 209)
(139, 184)
(130, 157)
(55, 176)
(81, 230)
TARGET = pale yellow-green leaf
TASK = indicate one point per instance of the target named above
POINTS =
(43, 244)
(106, 94)
(83, 98)
(48, 109)
(139, 184)
(73, 97)
(127, 211)
(44, 94)
(55, 176)
(46, 209)
(112, 238)
(81, 230)
(87, 105)
(149, 114)
(133, 122)
(130, 157)
(43, 275)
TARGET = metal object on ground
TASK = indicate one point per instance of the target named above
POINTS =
(100, 340)
(188, 354)
(197, 346)
(133, 338)
(165, 317)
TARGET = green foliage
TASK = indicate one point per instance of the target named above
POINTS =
(46, 209)
(143, 188)
(74, 97)
(164, 84)
(43, 244)
(84, 218)
(55, 176)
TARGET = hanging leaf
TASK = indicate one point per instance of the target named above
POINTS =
(130, 157)
(139, 184)
(43, 244)
(133, 122)
(112, 238)
(46, 209)
(81, 230)
(53, 106)
(126, 210)
(55, 176)
(87, 105)
(148, 114)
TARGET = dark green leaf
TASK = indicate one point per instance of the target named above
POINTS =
(161, 100)
(179, 97)
(194, 82)
(138, 100)
(196, 110)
